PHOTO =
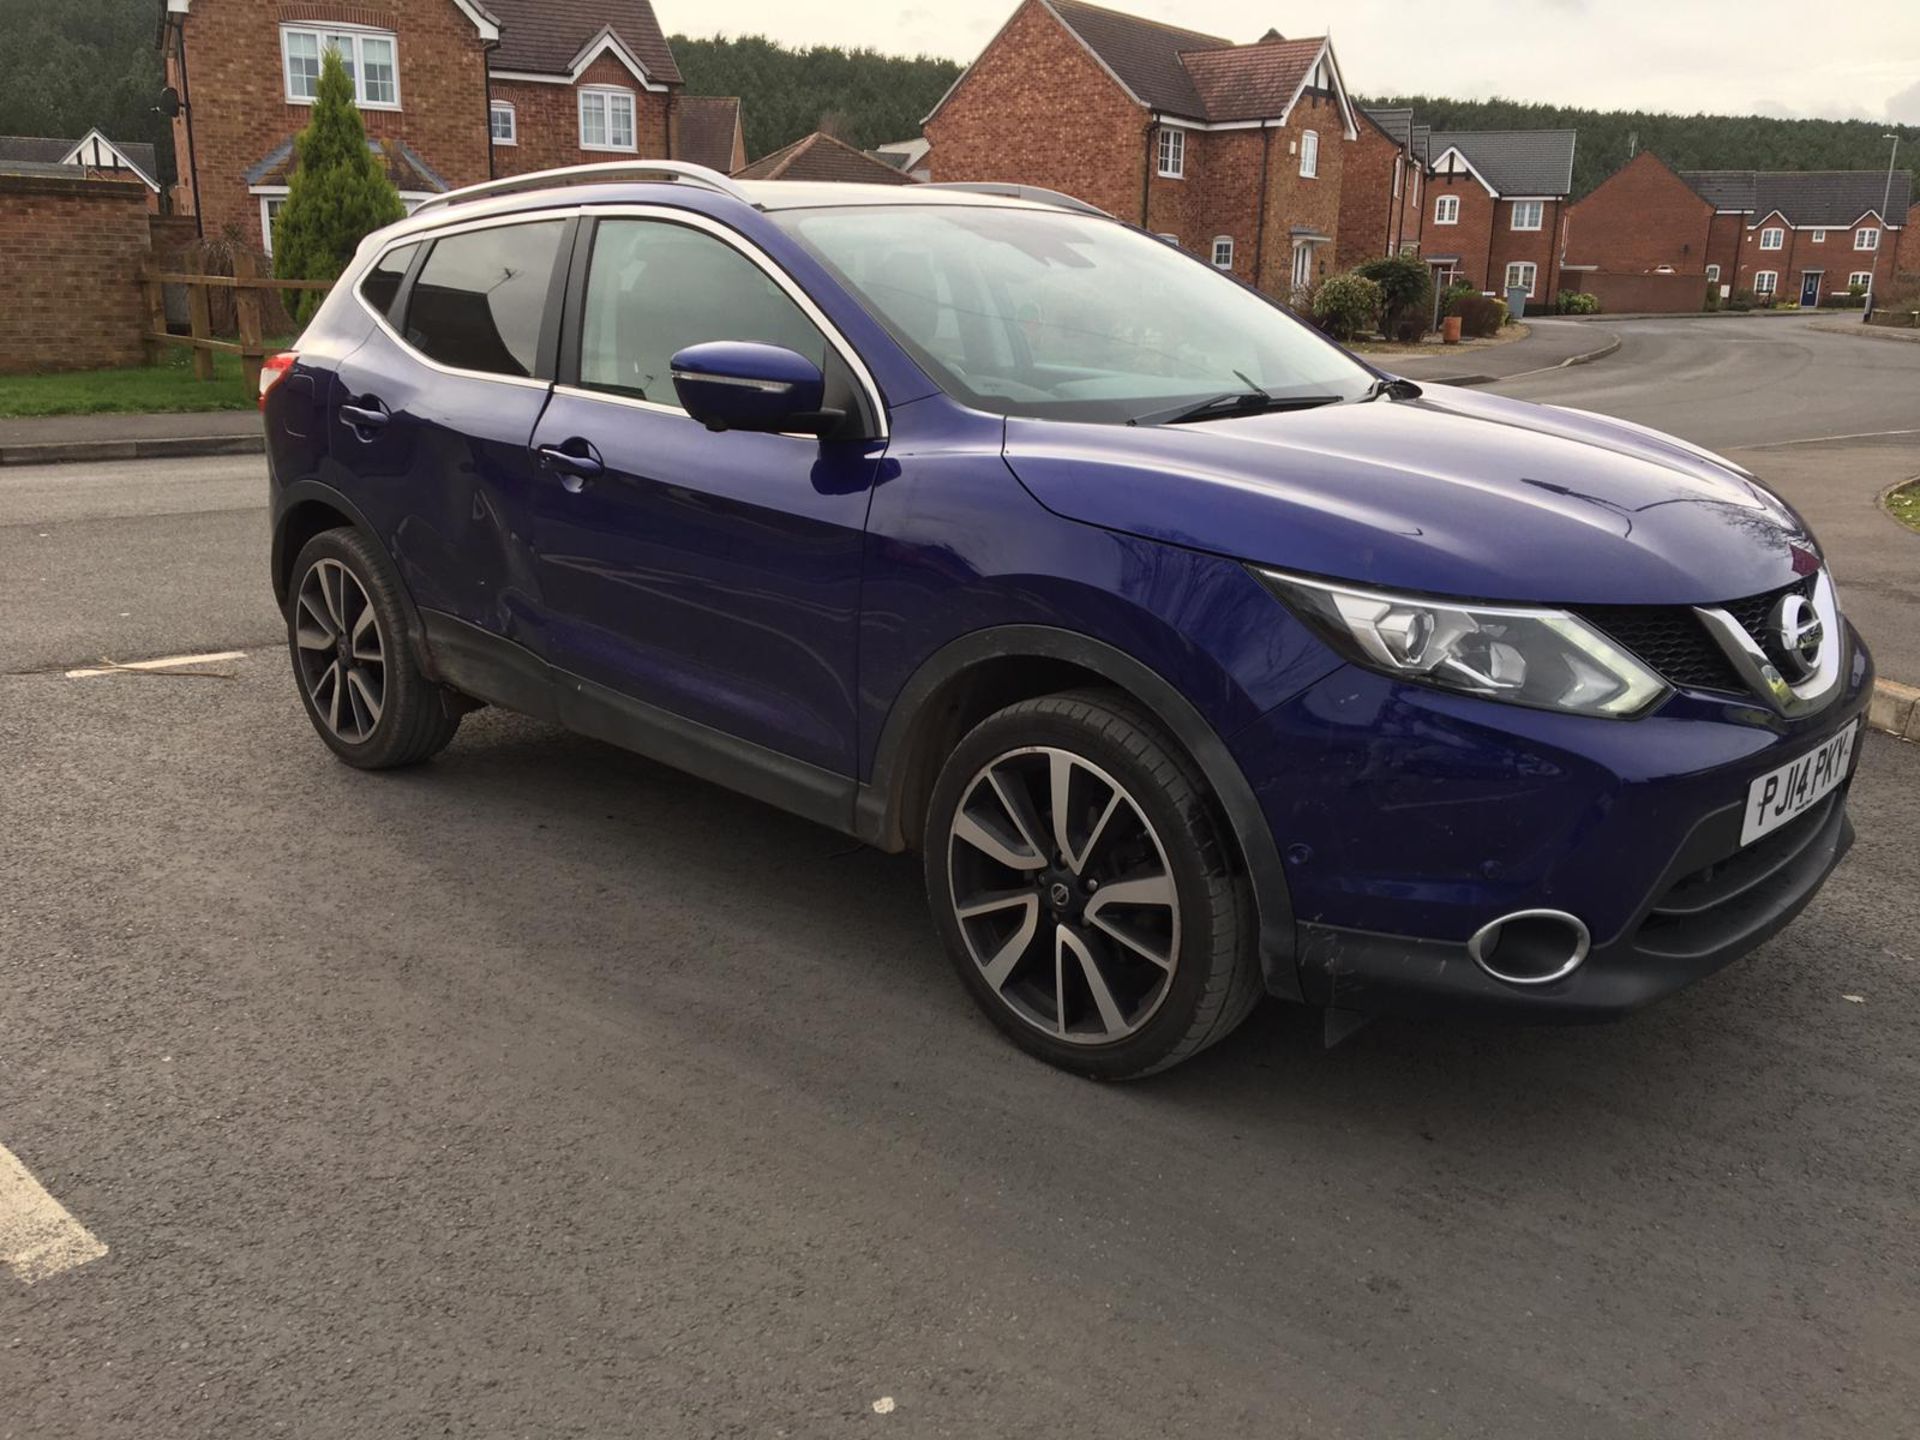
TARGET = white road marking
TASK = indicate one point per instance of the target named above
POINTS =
(884, 1405)
(170, 662)
(38, 1238)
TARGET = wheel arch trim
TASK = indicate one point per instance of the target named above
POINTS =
(305, 492)
(879, 806)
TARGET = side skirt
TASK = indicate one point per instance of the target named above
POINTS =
(502, 673)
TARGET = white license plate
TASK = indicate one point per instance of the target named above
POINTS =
(1779, 795)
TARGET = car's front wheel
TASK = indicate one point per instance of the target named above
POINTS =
(346, 631)
(1084, 890)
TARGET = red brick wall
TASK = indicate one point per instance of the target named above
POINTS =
(1036, 109)
(1630, 292)
(1833, 255)
(1538, 246)
(548, 117)
(1726, 244)
(1641, 217)
(71, 251)
(1296, 201)
(1369, 222)
(240, 110)
(1468, 238)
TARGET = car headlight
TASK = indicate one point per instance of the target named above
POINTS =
(1545, 658)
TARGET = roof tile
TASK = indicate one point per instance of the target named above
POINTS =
(544, 36)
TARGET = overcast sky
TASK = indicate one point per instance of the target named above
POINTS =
(1854, 61)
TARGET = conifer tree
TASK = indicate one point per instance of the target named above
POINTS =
(339, 193)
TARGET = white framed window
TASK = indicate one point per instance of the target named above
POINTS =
(1523, 273)
(371, 57)
(1173, 153)
(1527, 213)
(1302, 266)
(1862, 278)
(1765, 282)
(1173, 240)
(1772, 238)
(1446, 210)
(606, 119)
(1867, 237)
(1819, 237)
(269, 215)
(1713, 274)
(1396, 176)
(1310, 154)
(503, 122)
(1223, 252)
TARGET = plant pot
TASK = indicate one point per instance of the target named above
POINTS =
(1450, 330)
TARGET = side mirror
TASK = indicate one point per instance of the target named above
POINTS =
(740, 385)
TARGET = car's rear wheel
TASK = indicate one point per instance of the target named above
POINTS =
(347, 634)
(1084, 890)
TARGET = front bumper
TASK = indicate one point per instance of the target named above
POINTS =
(1409, 818)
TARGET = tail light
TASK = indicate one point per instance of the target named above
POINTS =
(272, 371)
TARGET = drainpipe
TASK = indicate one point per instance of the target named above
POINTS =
(1493, 224)
(179, 28)
(486, 71)
(1260, 220)
(1146, 173)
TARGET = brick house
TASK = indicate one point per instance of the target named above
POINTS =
(1802, 235)
(452, 92)
(821, 157)
(1495, 200)
(1236, 152)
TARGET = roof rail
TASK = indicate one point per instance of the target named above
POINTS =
(1020, 192)
(677, 170)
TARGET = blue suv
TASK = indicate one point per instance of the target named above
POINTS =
(1199, 659)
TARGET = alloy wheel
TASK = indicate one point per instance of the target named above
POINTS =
(340, 651)
(1063, 895)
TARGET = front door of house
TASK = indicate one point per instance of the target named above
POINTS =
(1302, 267)
(1810, 289)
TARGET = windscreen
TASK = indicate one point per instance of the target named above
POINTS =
(1044, 313)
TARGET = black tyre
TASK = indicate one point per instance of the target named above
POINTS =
(346, 630)
(1084, 889)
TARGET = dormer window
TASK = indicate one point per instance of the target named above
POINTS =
(1867, 237)
(1446, 210)
(371, 58)
(1526, 214)
(1772, 238)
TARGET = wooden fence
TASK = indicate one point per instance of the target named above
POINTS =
(246, 283)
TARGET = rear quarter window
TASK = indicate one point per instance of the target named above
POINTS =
(380, 287)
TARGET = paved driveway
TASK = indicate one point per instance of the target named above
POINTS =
(543, 1091)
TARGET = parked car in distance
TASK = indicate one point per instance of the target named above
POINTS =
(1199, 659)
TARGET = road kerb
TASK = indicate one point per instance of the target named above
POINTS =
(169, 447)
(1895, 709)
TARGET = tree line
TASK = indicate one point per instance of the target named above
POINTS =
(1610, 138)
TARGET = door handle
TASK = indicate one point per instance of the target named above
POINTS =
(572, 465)
(371, 415)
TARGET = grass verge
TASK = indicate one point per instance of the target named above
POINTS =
(166, 388)
(1904, 504)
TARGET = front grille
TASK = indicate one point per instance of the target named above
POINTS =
(1671, 641)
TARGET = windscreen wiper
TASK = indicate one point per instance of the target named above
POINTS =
(1235, 402)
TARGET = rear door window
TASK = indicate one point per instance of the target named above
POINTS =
(481, 298)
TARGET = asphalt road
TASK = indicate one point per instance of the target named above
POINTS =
(542, 1091)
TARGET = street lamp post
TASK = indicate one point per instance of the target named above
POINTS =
(1886, 197)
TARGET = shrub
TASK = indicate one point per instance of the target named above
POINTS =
(1406, 293)
(1457, 291)
(339, 194)
(1713, 297)
(1347, 305)
(1742, 300)
(1480, 315)
(1578, 302)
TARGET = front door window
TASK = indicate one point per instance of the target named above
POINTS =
(1302, 266)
